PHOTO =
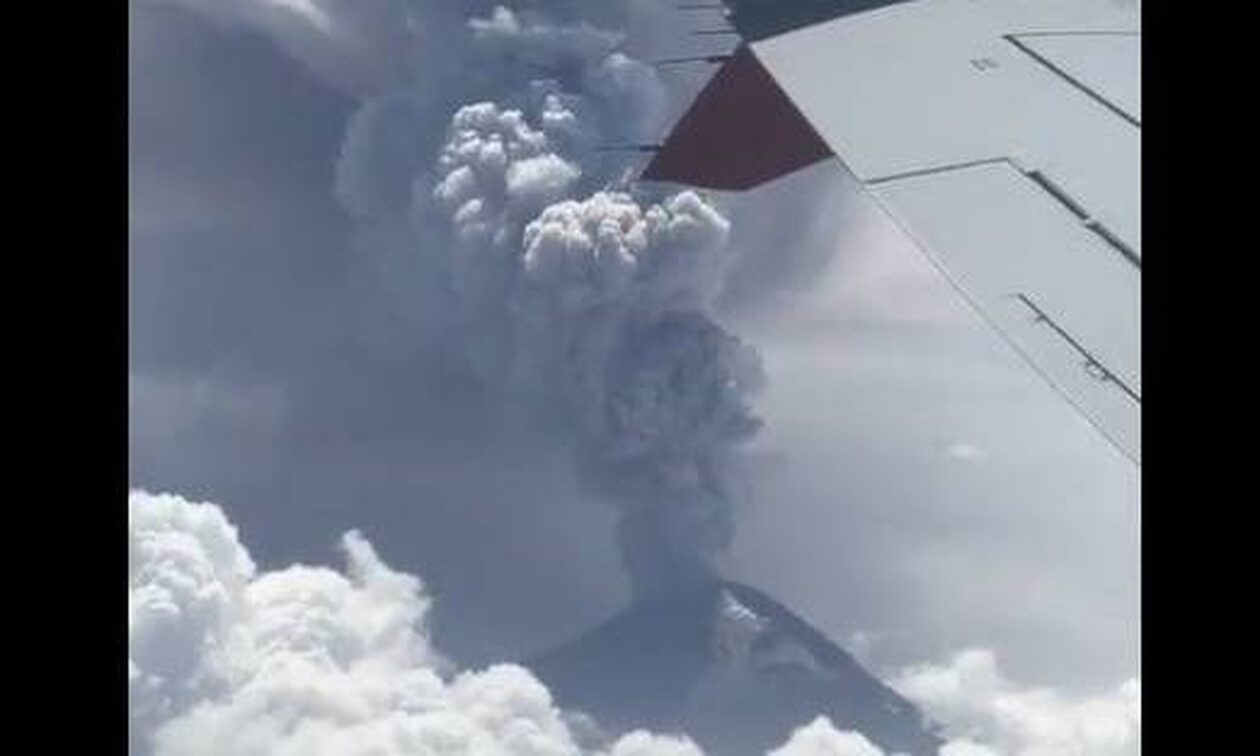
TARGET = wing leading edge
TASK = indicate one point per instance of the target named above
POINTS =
(1004, 137)
(761, 19)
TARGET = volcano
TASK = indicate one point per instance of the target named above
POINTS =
(730, 667)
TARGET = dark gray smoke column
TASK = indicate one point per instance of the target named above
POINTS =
(614, 315)
(591, 302)
(676, 405)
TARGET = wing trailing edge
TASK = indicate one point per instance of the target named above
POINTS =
(741, 131)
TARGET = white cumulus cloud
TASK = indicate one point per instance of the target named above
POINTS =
(642, 743)
(228, 659)
(978, 704)
(821, 738)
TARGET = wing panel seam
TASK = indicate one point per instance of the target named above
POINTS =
(1092, 364)
(1043, 182)
(975, 306)
(1070, 79)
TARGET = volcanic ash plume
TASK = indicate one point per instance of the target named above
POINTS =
(615, 298)
(594, 302)
(672, 406)
(496, 173)
(610, 319)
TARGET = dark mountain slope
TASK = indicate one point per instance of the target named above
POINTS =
(732, 668)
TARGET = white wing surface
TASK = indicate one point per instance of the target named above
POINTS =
(1004, 136)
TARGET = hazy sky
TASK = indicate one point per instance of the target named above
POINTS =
(916, 489)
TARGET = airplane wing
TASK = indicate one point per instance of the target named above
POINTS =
(1003, 136)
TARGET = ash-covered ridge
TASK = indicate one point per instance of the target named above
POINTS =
(731, 667)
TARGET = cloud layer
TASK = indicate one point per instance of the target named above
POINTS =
(225, 658)
(229, 659)
(821, 738)
(970, 693)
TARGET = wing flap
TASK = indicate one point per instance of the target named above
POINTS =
(1060, 294)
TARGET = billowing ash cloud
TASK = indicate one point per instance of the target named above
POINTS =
(582, 89)
(672, 406)
(497, 171)
(493, 175)
(354, 45)
(582, 58)
(227, 659)
(537, 41)
(609, 251)
(575, 293)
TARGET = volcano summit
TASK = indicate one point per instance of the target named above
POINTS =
(731, 667)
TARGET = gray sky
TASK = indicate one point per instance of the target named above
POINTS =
(915, 481)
